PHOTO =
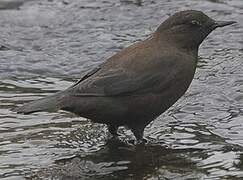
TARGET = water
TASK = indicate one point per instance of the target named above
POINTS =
(46, 45)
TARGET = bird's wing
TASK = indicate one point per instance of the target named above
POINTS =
(113, 84)
(125, 80)
(86, 75)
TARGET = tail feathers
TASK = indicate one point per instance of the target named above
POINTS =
(50, 104)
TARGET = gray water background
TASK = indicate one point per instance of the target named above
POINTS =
(46, 45)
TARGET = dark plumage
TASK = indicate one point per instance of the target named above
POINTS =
(139, 83)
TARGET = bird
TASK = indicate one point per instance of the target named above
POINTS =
(136, 85)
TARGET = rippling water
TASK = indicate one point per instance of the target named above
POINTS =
(46, 45)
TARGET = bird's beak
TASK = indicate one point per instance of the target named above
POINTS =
(217, 24)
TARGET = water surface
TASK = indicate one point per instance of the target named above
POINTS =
(45, 46)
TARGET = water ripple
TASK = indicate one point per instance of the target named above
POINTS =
(45, 46)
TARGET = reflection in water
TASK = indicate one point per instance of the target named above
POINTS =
(44, 47)
(118, 160)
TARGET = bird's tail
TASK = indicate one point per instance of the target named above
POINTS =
(50, 104)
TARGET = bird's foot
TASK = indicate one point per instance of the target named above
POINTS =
(113, 130)
(141, 141)
(113, 136)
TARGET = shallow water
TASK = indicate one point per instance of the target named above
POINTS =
(46, 45)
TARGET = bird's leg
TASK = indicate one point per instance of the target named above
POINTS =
(113, 130)
(138, 133)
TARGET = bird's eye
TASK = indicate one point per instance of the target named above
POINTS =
(196, 23)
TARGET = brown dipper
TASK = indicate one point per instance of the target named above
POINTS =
(139, 83)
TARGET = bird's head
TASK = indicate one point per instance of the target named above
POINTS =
(189, 28)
